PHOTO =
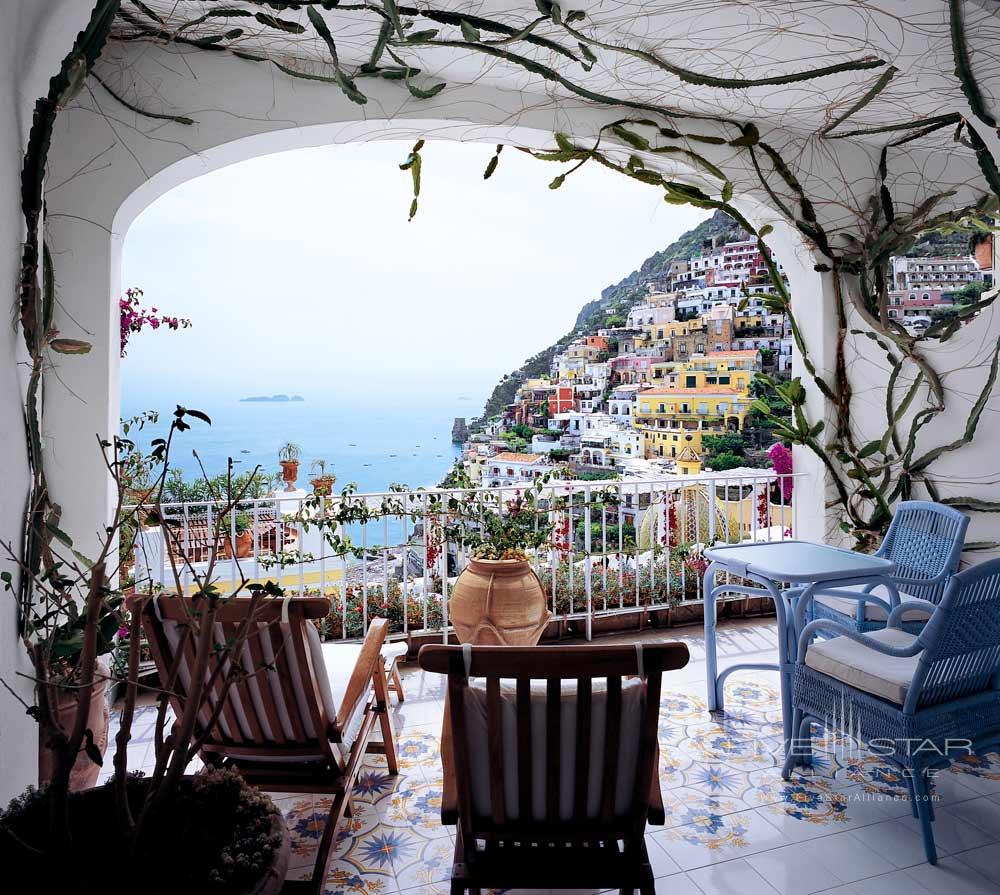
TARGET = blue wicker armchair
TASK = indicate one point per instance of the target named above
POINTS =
(919, 700)
(925, 541)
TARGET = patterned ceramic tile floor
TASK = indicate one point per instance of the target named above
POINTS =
(732, 826)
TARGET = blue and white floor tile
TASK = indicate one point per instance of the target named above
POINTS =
(733, 827)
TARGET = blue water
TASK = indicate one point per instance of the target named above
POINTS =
(386, 439)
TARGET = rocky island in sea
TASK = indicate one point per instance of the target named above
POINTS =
(277, 399)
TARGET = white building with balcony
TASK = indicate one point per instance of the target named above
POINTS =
(650, 314)
(621, 403)
(510, 468)
(938, 273)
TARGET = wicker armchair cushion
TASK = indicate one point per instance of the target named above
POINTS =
(859, 666)
(873, 612)
(479, 739)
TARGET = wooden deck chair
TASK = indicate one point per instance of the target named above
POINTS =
(549, 774)
(304, 723)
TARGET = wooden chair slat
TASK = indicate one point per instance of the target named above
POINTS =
(263, 676)
(524, 749)
(649, 745)
(307, 678)
(285, 682)
(495, 736)
(612, 735)
(230, 632)
(553, 747)
(582, 770)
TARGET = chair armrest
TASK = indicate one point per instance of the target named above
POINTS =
(802, 603)
(902, 581)
(921, 605)
(864, 596)
(825, 624)
(368, 664)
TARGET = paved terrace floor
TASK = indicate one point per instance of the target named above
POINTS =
(733, 826)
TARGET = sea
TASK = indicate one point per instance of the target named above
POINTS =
(371, 443)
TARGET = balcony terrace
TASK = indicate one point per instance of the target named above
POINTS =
(733, 826)
(836, 136)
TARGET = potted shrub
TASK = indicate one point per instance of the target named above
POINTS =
(171, 830)
(323, 481)
(498, 599)
(288, 457)
(65, 678)
(240, 530)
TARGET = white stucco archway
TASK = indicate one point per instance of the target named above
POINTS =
(92, 204)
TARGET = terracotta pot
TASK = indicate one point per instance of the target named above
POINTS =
(244, 545)
(289, 472)
(323, 484)
(498, 602)
(85, 773)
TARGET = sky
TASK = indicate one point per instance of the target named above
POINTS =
(302, 275)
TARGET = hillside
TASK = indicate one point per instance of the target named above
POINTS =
(617, 299)
(614, 300)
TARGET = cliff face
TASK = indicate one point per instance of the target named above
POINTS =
(459, 430)
(615, 300)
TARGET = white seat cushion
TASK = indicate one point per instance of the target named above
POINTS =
(339, 660)
(393, 652)
(873, 612)
(479, 755)
(859, 666)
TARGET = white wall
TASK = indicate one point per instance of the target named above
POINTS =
(31, 48)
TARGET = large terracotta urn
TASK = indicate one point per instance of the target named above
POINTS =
(85, 773)
(498, 602)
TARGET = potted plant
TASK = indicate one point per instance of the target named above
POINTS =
(498, 599)
(288, 457)
(323, 482)
(238, 528)
(174, 831)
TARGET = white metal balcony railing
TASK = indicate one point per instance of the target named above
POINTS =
(632, 545)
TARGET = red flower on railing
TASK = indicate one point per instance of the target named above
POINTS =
(433, 543)
(560, 535)
(763, 508)
(134, 319)
(673, 522)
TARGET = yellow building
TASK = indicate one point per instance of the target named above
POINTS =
(749, 319)
(734, 368)
(688, 462)
(672, 418)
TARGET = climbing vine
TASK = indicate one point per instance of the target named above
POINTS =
(867, 477)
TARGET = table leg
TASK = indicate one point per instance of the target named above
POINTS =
(711, 657)
(786, 659)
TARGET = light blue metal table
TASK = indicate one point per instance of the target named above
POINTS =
(789, 573)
